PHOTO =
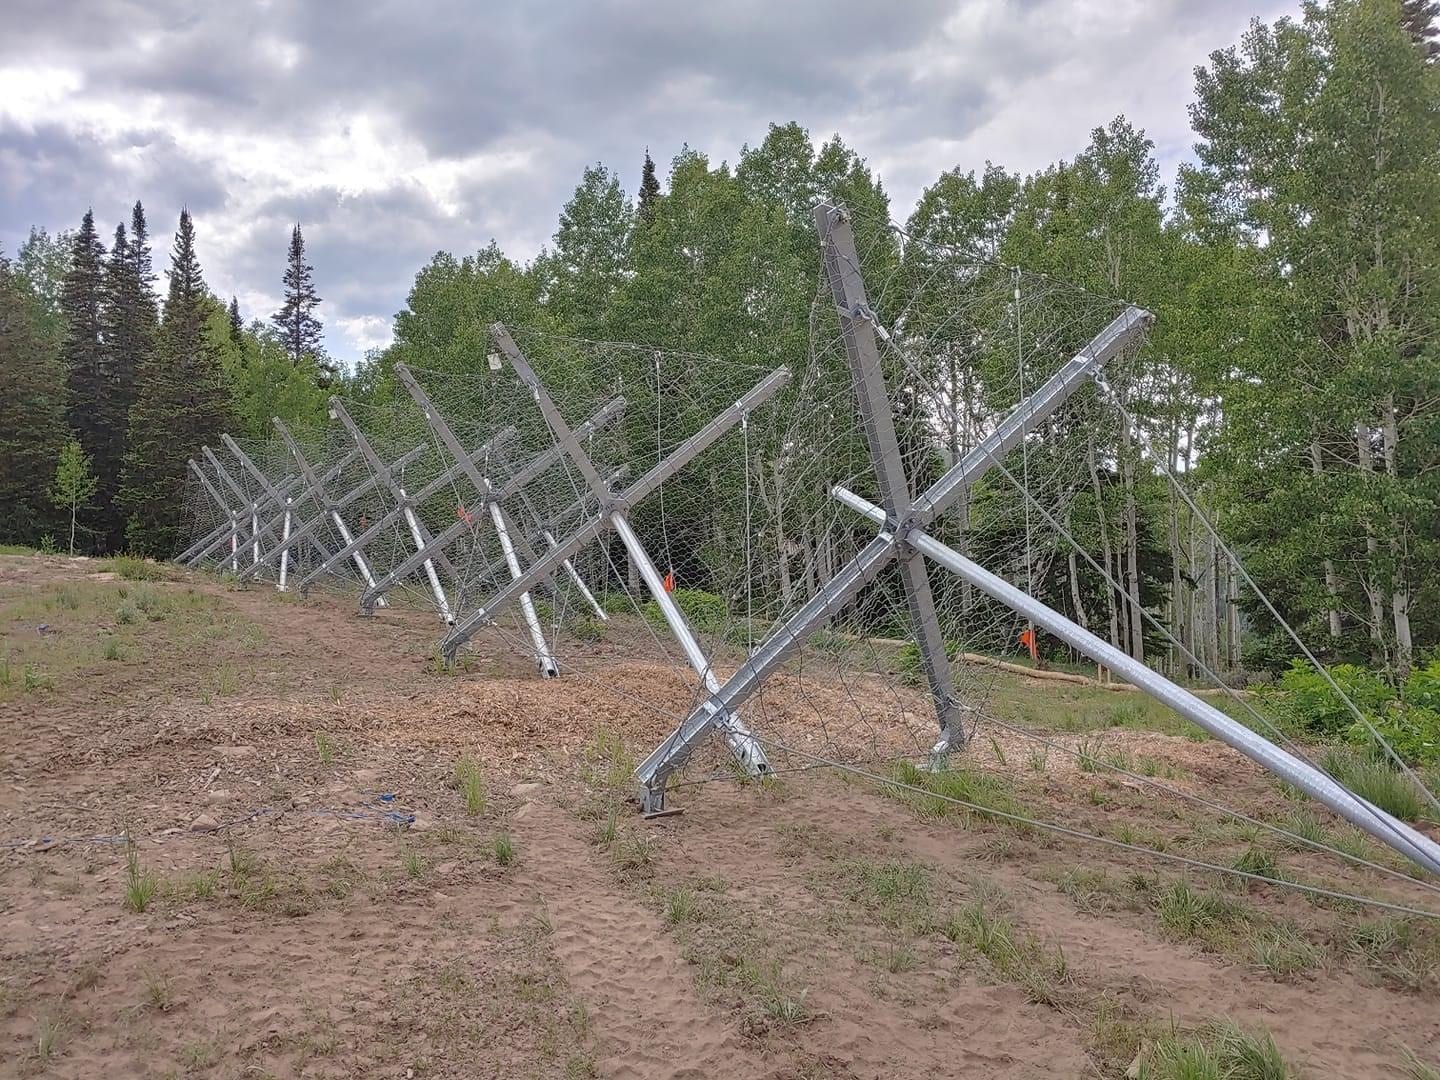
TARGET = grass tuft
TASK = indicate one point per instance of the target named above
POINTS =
(471, 785)
(503, 847)
(140, 885)
(1376, 782)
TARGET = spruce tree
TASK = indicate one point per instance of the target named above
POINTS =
(32, 414)
(649, 190)
(180, 406)
(237, 326)
(1419, 19)
(296, 321)
(92, 414)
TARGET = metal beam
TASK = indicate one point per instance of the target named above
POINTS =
(784, 640)
(737, 736)
(528, 472)
(857, 326)
(419, 498)
(589, 531)
(1395, 834)
(418, 532)
(499, 519)
(341, 528)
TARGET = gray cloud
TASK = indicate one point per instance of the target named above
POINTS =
(389, 132)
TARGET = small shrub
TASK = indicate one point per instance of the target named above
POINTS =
(1376, 782)
(126, 615)
(134, 568)
(112, 649)
(703, 610)
(504, 849)
(1260, 862)
(679, 906)
(325, 748)
(588, 628)
(1222, 1050)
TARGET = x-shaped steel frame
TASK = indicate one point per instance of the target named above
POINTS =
(903, 513)
(513, 486)
(613, 515)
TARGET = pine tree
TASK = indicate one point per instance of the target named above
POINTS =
(92, 413)
(180, 406)
(32, 414)
(296, 321)
(649, 190)
(1419, 19)
(237, 326)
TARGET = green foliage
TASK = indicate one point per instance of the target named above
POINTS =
(32, 410)
(1409, 720)
(1378, 782)
(705, 611)
(73, 485)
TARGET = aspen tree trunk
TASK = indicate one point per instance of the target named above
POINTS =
(1399, 589)
(1132, 548)
(1106, 550)
(1332, 580)
(1365, 456)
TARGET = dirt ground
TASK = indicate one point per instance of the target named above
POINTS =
(248, 836)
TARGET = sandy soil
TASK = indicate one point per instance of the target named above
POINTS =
(326, 904)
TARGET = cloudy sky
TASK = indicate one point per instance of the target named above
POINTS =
(391, 129)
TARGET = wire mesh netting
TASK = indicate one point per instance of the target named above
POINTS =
(447, 492)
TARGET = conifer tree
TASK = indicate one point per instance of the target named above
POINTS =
(1419, 17)
(296, 321)
(649, 190)
(92, 413)
(32, 414)
(180, 406)
(237, 326)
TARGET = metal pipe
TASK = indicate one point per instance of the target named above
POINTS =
(527, 606)
(747, 751)
(419, 537)
(284, 548)
(1364, 815)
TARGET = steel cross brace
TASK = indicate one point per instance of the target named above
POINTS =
(594, 527)
(504, 528)
(492, 572)
(1397, 835)
(418, 533)
(417, 499)
(542, 529)
(319, 492)
(857, 327)
(277, 497)
(748, 753)
(253, 543)
(888, 546)
(291, 537)
(528, 472)
(217, 536)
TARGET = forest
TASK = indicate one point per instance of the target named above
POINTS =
(1293, 372)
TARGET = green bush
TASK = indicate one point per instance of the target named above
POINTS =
(1409, 720)
(907, 662)
(705, 611)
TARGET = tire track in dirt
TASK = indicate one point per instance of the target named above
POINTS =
(650, 1022)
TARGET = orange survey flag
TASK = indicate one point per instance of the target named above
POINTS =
(669, 582)
(465, 515)
(1027, 639)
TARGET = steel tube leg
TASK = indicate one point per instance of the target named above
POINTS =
(415, 534)
(576, 578)
(748, 752)
(360, 563)
(1388, 830)
(546, 661)
(285, 546)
